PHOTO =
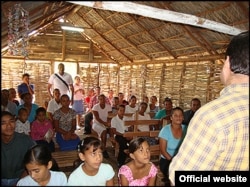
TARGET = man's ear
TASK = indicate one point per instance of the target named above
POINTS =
(50, 163)
(227, 63)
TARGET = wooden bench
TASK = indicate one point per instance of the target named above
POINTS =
(65, 158)
(154, 149)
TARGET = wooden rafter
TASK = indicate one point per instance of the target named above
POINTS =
(161, 14)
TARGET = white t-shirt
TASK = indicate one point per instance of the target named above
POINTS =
(57, 178)
(57, 83)
(129, 109)
(103, 112)
(118, 124)
(53, 106)
(145, 117)
(23, 127)
(79, 178)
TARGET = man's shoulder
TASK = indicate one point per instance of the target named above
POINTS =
(35, 105)
(161, 111)
(52, 101)
(11, 103)
(21, 85)
(187, 111)
(67, 74)
(115, 118)
(96, 106)
(52, 76)
(22, 137)
(108, 106)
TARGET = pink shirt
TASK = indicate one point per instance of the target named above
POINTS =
(126, 171)
(39, 129)
(78, 95)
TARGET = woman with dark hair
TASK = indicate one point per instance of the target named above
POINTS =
(65, 125)
(92, 171)
(42, 168)
(170, 139)
(140, 171)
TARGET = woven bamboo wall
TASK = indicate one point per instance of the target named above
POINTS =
(39, 71)
(104, 75)
(180, 81)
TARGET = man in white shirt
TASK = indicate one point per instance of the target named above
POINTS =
(63, 81)
(118, 128)
(54, 104)
(101, 124)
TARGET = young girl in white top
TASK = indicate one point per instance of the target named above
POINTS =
(42, 169)
(92, 172)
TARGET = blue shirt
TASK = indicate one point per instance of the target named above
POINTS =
(23, 88)
(161, 114)
(173, 144)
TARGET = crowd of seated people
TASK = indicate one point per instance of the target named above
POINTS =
(59, 119)
(131, 106)
(57, 122)
(26, 132)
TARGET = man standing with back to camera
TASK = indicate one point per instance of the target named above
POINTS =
(218, 135)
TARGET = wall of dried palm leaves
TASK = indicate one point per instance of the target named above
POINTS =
(12, 71)
(180, 81)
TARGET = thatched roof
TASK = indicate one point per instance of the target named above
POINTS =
(130, 32)
(164, 48)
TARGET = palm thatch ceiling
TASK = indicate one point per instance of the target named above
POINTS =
(129, 32)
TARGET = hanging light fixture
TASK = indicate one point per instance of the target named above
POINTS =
(72, 28)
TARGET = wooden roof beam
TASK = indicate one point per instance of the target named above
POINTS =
(189, 59)
(161, 14)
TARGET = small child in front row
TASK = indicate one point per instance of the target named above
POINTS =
(92, 172)
(22, 122)
(42, 169)
(139, 171)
